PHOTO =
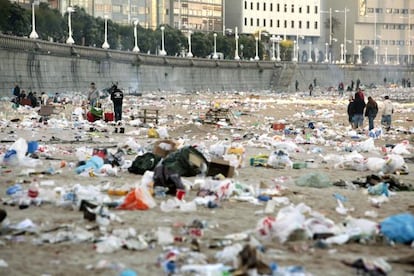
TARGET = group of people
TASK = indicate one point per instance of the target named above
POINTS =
(116, 96)
(358, 109)
(32, 99)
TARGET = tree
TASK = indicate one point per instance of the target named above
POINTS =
(335, 24)
(200, 45)
(49, 23)
(18, 21)
(367, 55)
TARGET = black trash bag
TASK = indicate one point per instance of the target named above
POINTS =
(143, 163)
(166, 178)
(187, 161)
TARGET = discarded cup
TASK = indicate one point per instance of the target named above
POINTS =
(180, 194)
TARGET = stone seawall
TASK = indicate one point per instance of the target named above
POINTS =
(52, 67)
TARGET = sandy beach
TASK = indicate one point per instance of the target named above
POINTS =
(62, 242)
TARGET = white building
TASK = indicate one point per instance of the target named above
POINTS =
(296, 20)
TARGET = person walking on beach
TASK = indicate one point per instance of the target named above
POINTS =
(310, 89)
(93, 94)
(358, 106)
(350, 110)
(371, 111)
(387, 112)
(297, 85)
(117, 97)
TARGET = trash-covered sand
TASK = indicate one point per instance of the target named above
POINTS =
(278, 144)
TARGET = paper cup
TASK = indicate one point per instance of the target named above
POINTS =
(180, 194)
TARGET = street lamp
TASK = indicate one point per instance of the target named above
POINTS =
(326, 52)
(310, 52)
(344, 50)
(295, 55)
(386, 56)
(257, 49)
(136, 49)
(215, 56)
(70, 38)
(162, 52)
(105, 45)
(376, 55)
(359, 61)
(189, 54)
(278, 39)
(397, 62)
(330, 32)
(342, 54)
(273, 39)
(33, 34)
(236, 37)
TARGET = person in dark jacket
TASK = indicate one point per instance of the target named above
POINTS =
(351, 110)
(117, 97)
(358, 110)
(371, 111)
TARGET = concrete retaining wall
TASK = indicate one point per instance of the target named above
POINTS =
(51, 67)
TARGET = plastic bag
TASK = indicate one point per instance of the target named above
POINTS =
(279, 160)
(393, 163)
(375, 164)
(315, 180)
(398, 228)
(139, 199)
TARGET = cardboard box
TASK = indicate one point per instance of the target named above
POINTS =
(217, 166)
(164, 147)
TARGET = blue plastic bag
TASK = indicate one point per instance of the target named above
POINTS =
(399, 228)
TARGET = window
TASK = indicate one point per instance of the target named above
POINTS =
(271, 6)
(307, 24)
(285, 24)
(245, 21)
(258, 6)
(285, 8)
(257, 22)
(271, 23)
(292, 9)
(308, 9)
(370, 10)
(300, 24)
(251, 21)
(292, 24)
(316, 9)
(264, 6)
(278, 7)
(388, 10)
(264, 22)
(278, 23)
(404, 11)
(251, 5)
(379, 10)
(396, 11)
(300, 9)
(316, 25)
(245, 5)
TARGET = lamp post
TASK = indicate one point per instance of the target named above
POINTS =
(257, 49)
(70, 38)
(386, 56)
(295, 55)
(105, 45)
(189, 54)
(136, 49)
(162, 52)
(344, 50)
(310, 52)
(33, 34)
(236, 38)
(326, 52)
(330, 33)
(278, 39)
(273, 39)
(342, 54)
(359, 61)
(397, 62)
(215, 56)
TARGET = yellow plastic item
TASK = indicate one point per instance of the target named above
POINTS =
(152, 133)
